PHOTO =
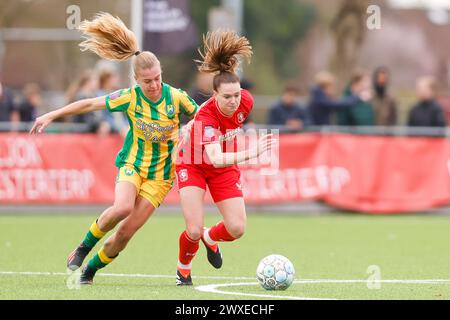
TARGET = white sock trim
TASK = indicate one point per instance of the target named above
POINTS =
(184, 266)
(207, 238)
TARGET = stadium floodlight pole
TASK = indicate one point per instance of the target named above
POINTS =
(2, 53)
(237, 7)
(136, 18)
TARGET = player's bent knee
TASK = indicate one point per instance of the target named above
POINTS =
(194, 232)
(237, 230)
(121, 212)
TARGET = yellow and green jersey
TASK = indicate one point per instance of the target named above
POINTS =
(154, 129)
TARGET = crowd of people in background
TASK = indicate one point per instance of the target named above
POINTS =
(89, 84)
(365, 101)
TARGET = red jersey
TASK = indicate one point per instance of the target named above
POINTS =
(212, 126)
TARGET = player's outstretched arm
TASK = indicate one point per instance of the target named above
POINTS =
(78, 107)
(221, 159)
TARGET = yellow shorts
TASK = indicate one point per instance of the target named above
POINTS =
(153, 190)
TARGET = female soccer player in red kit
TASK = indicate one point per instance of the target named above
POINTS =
(206, 158)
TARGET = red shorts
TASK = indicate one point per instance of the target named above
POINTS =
(223, 184)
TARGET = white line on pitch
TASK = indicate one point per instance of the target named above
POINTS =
(124, 275)
(137, 275)
(212, 288)
(403, 281)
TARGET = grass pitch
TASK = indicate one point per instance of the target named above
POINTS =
(332, 255)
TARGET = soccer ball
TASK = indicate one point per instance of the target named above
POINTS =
(275, 272)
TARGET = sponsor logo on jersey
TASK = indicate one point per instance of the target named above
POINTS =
(129, 172)
(115, 95)
(230, 135)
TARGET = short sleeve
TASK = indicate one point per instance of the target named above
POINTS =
(188, 106)
(118, 100)
(247, 100)
(210, 135)
(208, 127)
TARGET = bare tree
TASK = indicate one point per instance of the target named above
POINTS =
(349, 30)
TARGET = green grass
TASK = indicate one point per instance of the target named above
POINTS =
(339, 246)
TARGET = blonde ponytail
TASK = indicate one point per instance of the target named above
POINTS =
(108, 37)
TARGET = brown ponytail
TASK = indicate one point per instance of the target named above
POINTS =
(221, 53)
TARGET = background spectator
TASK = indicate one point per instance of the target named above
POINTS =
(384, 105)
(248, 85)
(84, 87)
(203, 89)
(109, 122)
(287, 111)
(360, 113)
(427, 112)
(8, 111)
(323, 102)
(32, 102)
(201, 92)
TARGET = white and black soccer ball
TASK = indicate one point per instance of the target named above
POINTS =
(275, 272)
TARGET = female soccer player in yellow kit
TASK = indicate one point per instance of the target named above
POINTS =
(146, 170)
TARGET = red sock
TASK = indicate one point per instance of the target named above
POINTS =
(220, 233)
(188, 249)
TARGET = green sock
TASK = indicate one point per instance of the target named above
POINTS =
(93, 236)
(100, 260)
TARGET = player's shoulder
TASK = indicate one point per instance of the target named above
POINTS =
(208, 106)
(175, 92)
(247, 100)
(207, 111)
(177, 95)
(120, 93)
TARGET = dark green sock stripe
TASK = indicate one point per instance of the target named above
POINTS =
(90, 240)
(95, 263)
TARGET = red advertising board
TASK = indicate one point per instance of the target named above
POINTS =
(361, 173)
(57, 168)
